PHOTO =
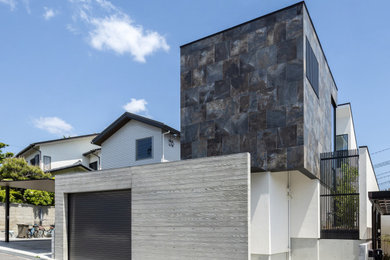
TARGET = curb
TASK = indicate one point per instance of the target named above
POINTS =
(26, 253)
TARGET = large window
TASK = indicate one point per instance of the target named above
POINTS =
(46, 163)
(312, 70)
(35, 160)
(94, 166)
(144, 149)
(342, 142)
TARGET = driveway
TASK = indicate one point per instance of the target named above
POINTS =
(25, 249)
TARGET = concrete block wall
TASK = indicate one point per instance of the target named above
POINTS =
(193, 209)
(26, 214)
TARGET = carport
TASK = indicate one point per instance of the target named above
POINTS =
(40, 184)
(380, 206)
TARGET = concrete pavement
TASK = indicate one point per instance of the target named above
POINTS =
(26, 249)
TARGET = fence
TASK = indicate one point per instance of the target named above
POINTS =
(340, 195)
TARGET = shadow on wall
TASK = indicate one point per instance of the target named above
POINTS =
(39, 213)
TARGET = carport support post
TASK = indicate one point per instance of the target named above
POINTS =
(6, 213)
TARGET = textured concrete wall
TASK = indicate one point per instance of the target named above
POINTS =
(317, 110)
(26, 214)
(193, 209)
(242, 91)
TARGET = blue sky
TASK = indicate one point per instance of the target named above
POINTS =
(71, 67)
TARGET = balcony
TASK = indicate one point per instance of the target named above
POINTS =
(339, 195)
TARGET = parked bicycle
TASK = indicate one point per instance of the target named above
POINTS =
(50, 232)
(36, 231)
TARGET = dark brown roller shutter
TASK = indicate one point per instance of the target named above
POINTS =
(99, 225)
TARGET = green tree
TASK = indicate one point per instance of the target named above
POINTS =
(38, 197)
(18, 169)
(347, 205)
(4, 155)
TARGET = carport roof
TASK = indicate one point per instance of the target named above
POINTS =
(41, 184)
(381, 200)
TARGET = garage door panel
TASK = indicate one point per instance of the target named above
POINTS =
(100, 225)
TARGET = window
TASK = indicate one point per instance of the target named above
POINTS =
(35, 160)
(46, 163)
(93, 166)
(342, 142)
(311, 67)
(144, 148)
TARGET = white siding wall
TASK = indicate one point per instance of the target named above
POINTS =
(119, 150)
(67, 152)
(171, 153)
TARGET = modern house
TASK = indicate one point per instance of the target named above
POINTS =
(136, 140)
(270, 167)
(73, 154)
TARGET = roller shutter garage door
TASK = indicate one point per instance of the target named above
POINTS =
(99, 225)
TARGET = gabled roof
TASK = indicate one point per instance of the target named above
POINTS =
(123, 119)
(51, 141)
(68, 167)
(92, 151)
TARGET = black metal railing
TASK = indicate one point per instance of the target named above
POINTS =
(339, 195)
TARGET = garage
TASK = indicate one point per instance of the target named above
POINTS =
(99, 225)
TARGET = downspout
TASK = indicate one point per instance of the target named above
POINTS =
(40, 157)
(288, 213)
(99, 168)
(163, 153)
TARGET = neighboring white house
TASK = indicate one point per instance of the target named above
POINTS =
(135, 140)
(73, 154)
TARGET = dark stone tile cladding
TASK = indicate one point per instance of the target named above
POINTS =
(242, 91)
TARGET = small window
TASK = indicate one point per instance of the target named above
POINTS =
(311, 67)
(342, 142)
(35, 161)
(93, 166)
(144, 148)
(46, 163)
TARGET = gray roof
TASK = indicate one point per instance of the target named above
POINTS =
(123, 119)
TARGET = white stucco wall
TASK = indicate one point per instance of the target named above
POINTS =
(269, 213)
(344, 124)
(260, 213)
(305, 206)
(367, 183)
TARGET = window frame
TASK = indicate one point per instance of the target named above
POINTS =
(312, 68)
(347, 141)
(95, 162)
(136, 148)
(44, 163)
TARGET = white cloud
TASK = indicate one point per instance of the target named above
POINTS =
(49, 13)
(122, 36)
(113, 30)
(136, 106)
(10, 3)
(53, 125)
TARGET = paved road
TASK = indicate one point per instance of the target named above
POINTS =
(4, 256)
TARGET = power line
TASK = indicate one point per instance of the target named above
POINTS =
(381, 173)
(380, 151)
(378, 165)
